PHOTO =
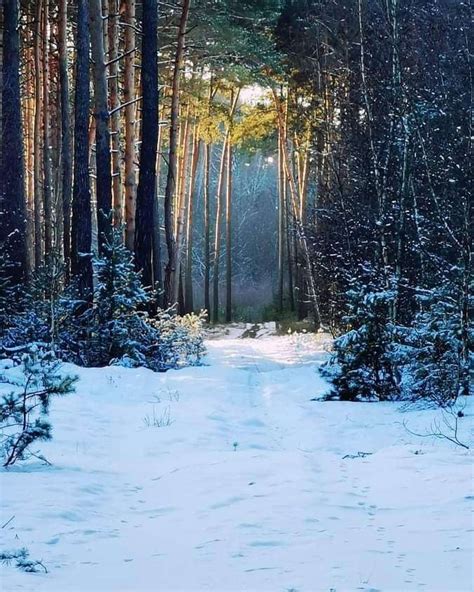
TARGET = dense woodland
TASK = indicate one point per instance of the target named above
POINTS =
(251, 158)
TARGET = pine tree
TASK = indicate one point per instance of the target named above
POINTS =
(361, 366)
(116, 323)
(433, 350)
(24, 410)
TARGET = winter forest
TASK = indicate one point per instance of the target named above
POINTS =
(236, 295)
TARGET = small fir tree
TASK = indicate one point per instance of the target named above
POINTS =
(432, 350)
(24, 409)
(117, 322)
(362, 364)
(47, 313)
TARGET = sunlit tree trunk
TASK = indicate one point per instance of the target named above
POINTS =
(113, 77)
(228, 232)
(181, 202)
(130, 123)
(157, 266)
(289, 249)
(220, 186)
(188, 276)
(38, 198)
(217, 234)
(47, 180)
(294, 200)
(28, 119)
(207, 230)
(171, 277)
(66, 156)
(281, 227)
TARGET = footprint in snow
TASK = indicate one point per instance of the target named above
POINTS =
(265, 544)
(225, 503)
(253, 423)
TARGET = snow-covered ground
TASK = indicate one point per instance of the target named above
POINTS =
(249, 488)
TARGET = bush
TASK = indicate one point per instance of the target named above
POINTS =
(180, 341)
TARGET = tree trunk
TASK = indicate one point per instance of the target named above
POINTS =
(228, 232)
(289, 250)
(130, 127)
(113, 77)
(171, 277)
(81, 231)
(102, 135)
(217, 234)
(47, 181)
(28, 119)
(12, 192)
(294, 198)
(157, 271)
(66, 160)
(37, 140)
(281, 222)
(207, 230)
(149, 141)
(220, 185)
(188, 279)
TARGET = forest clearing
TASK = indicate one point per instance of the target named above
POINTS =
(247, 484)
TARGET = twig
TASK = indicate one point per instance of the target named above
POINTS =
(8, 521)
(436, 432)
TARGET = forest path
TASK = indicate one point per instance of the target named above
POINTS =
(243, 484)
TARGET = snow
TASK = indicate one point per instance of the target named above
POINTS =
(248, 485)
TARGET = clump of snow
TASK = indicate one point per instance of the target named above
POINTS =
(242, 330)
(247, 485)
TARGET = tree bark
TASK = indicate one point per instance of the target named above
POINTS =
(228, 232)
(220, 185)
(12, 192)
(188, 276)
(157, 268)
(281, 222)
(47, 182)
(113, 77)
(207, 233)
(294, 199)
(149, 140)
(81, 231)
(102, 135)
(28, 119)
(171, 277)
(130, 124)
(66, 172)
(180, 206)
(217, 235)
(37, 140)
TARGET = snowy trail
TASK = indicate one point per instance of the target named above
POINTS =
(246, 490)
